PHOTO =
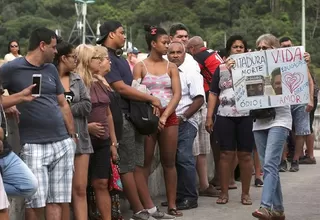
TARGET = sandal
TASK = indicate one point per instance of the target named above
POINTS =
(231, 187)
(246, 200)
(222, 200)
(175, 212)
(262, 214)
(277, 215)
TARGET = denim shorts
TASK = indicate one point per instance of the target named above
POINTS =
(301, 120)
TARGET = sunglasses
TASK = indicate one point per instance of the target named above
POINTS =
(14, 46)
(263, 48)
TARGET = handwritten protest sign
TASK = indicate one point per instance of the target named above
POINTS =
(270, 78)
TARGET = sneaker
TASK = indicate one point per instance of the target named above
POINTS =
(211, 191)
(161, 215)
(294, 166)
(143, 215)
(308, 160)
(283, 166)
(277, 215)
(258, 182)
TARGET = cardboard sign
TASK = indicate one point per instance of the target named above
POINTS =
(270, 78)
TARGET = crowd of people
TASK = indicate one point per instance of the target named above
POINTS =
(79, 127)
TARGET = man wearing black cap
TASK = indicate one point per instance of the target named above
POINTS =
(131, 146)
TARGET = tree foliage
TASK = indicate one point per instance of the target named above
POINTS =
(214, 20)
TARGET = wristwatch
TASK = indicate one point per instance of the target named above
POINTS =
(75, 135)
(115, 144)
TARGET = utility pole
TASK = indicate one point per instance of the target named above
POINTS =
(84, 17)
(80, 26)
(303, 24)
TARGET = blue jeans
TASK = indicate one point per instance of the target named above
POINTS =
(186, 163)
(270, 145)
(17, 178)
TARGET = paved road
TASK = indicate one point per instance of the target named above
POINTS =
(301, 192)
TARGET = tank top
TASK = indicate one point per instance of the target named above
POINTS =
(69, 96)
(159, 86)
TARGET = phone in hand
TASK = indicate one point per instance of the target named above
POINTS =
(36, 79)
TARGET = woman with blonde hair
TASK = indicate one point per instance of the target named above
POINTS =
(93, 65)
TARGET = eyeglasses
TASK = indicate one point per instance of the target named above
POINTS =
(14, 46)
(73, 56)
(263, 48)
(101, 58)
(236, 47)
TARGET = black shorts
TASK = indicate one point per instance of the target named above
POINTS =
(315, 103)
(99, 167)
(235, 133)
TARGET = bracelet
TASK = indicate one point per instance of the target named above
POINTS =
(115, 144)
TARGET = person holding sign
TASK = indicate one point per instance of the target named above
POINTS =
(270, 136)
(235, 128)
(301, 121)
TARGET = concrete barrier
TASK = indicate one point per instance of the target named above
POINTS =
(156, 179)
(16, 210)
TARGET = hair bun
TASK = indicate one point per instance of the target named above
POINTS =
(147, 27)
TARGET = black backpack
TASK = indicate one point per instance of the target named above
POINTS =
(142, 117)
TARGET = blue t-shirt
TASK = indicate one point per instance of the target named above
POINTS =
(120, 70)
(41, 121)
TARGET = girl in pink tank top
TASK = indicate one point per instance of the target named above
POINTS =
(162, 78)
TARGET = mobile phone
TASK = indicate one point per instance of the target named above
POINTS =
(36, 79)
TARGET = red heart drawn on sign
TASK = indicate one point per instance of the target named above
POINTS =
(292, 80)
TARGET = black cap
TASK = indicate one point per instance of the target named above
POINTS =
(106, 28)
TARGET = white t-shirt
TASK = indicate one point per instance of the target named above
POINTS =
(283, 119)
(9, 57)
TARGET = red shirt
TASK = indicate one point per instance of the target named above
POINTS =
(211, 62)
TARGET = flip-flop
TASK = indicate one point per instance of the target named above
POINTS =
(230, 187)
(222, 200)
(246, 200)
(175, 212)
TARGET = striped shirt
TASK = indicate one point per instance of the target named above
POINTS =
(191, 87)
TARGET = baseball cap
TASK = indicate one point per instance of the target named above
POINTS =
(133, 50)
(106, 28)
